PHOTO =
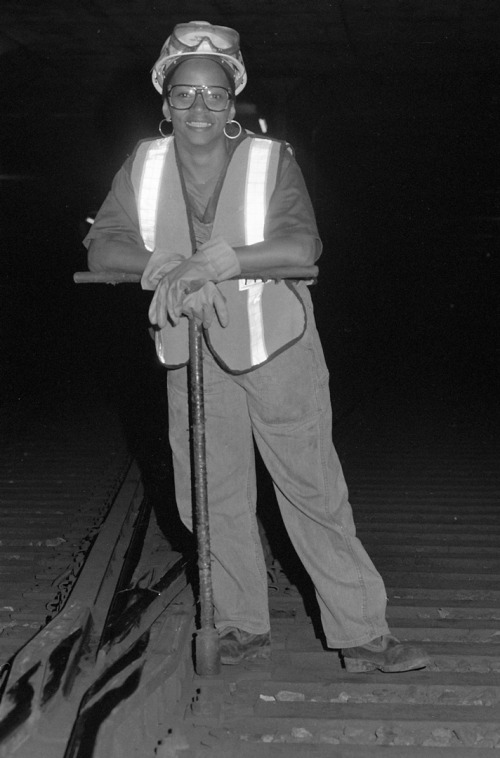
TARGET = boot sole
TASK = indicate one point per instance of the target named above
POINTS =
(360, 666)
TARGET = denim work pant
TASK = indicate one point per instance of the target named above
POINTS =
(285, 405)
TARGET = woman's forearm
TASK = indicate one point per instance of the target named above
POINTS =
(106, 254)
(292, 250)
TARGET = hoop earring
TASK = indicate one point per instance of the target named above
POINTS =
(233, 136)
(165, 121)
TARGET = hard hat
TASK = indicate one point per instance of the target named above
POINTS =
(201, 38)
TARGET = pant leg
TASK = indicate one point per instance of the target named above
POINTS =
(289, 403)
(238, 568)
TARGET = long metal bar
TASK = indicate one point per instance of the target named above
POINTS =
(207, 642)
(278, 272)
(200, 470)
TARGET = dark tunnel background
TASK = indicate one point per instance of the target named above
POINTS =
(403, 173)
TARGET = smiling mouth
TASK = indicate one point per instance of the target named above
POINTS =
(199, 124)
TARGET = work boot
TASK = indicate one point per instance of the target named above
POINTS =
(386, 654)
(236, 646)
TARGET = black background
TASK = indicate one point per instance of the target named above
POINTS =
(402, 168)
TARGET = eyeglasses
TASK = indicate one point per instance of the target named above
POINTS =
(182, 96)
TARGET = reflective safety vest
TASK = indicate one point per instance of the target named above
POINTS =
(264, 317)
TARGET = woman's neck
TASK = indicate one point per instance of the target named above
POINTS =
(203, 162)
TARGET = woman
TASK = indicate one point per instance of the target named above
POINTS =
(192, 212)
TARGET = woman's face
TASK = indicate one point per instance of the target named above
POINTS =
(198, 125)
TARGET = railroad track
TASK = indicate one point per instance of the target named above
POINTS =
(426, 506)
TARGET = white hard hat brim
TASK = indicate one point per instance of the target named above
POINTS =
(164, 63)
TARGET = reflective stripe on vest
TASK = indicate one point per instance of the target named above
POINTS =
(149, 190)
(255, 218)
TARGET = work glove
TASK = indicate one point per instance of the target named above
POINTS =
(215, 261)
(205, 304)
(152, 274)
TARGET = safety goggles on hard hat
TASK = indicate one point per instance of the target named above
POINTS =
(182, 96)
(199, 38)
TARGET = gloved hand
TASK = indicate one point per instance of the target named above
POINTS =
(152, 274)
(205, 304)
(215, 261)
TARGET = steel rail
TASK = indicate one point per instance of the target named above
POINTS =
(55, 674)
